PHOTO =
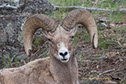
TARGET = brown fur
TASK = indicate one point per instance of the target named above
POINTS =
(31, 73)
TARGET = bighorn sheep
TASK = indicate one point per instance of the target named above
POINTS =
(61, 67)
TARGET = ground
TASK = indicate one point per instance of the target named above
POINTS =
(104, 65)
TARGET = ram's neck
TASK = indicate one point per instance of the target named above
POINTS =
(64, 73)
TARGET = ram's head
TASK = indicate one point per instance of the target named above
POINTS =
(60, 36)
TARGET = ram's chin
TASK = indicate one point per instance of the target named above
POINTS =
(64, 60)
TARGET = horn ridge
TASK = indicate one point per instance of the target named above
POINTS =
(81, 16)
(32, 24)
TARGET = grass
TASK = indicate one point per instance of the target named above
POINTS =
(106, 4)
(66, 2)
(8, 62)
(37, 42)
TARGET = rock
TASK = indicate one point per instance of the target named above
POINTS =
(38, 6)
(22, 56)
(12, 21)
(124, 45)
(0, 53)
(112, 25)
(103, 19)
(104, 25)
(20, 34)
(1, 2)
(14, 51)
(1, 63)
(10, 31)
(10, 50)
(11, 27)
(27, 6)
(3, 37)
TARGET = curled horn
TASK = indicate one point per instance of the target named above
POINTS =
(81, 16)
(32, 24)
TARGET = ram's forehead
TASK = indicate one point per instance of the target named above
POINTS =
(61, 32)
(60, 35)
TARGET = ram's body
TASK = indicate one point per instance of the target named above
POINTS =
(40, 72)
(61, 67)
(31, 73)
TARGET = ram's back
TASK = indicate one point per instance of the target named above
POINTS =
(35, 72)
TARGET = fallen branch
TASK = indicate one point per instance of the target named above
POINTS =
(9, 7)
(91, 9)
(107, 71)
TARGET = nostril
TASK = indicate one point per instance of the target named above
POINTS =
(65, 53)
(61, 54)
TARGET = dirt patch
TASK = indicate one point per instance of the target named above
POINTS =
(103, 68)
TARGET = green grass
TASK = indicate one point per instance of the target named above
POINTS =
(58, 15)
(106, 4)
(67, 2)
(8, 62)
(36, 42)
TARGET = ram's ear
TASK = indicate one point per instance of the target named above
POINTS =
(73, 31)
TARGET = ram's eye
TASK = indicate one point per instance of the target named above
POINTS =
(71, 39)
(49, 39)
(58, 45)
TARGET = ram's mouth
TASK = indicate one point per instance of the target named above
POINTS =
(64, 60)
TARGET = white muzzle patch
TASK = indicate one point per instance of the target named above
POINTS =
(63, 53)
